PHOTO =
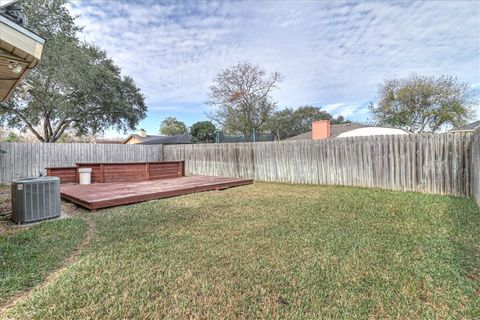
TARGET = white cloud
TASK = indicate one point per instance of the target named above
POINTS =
(347, 110)
(332, 54)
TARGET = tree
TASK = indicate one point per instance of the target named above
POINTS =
(171, 127)
(241, 97)
(203, 132)
(13, 137)
(339, 120)
(291, 122)
(75, 85)
(68, 137)
(423, 103)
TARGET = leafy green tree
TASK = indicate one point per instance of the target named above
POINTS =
(242, 98)
(203, 132)
(282, 123)
(69, 137)
(171, 126)
(13, 137)
(291, 122)
(339, 120)
(75, 85)
(423, 103)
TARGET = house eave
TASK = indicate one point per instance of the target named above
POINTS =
(9, 22)
(20, 46)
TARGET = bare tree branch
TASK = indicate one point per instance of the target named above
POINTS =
(242, 98)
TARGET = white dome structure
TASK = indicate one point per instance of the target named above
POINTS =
(371, 131)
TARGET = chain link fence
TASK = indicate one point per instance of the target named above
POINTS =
(220, 137)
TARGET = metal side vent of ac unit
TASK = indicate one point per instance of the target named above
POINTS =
(35, 199)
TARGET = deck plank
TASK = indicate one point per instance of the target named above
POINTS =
(104, 195)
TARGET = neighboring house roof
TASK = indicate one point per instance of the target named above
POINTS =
(108, 141)
(139, 137)
(468, 127)
(185, 138)
(371, 131)
(302, 136)
(335, 131)
(338, 129)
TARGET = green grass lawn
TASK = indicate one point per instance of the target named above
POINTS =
(274, 251)
(29, 253)
(27, 256)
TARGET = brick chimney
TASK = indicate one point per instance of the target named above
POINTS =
(320, 129)
(142, 133)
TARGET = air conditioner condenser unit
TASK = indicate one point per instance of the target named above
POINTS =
(35, 199)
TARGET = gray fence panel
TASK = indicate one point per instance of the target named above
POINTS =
(433, 163)
(23, 160)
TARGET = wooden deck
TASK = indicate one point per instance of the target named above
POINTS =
(102, 195)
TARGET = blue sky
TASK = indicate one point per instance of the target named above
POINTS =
(331, 54)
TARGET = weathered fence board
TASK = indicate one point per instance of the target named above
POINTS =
(475, 166)
(440, 163)
(23, 160)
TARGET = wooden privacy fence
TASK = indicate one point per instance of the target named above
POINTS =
(23, 160)
(440, 163)
(476, 165)
(443, 163)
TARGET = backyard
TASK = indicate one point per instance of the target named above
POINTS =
(260, 251)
